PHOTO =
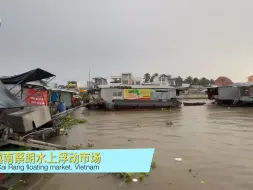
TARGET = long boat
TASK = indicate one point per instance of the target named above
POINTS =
(134, 97)
(194, 103)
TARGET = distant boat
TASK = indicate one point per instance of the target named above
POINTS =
(194, 103)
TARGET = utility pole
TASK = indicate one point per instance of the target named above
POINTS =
(89, 79)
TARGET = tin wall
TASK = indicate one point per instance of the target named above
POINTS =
(228, 93)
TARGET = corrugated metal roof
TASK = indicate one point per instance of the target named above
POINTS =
(242, 84)
(234, 85)
(138, 86)
(61, 90)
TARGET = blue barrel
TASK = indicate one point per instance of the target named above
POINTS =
(61, 107)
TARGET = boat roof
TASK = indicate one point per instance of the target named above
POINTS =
(138, 86)
(29, 76)
(241, 84)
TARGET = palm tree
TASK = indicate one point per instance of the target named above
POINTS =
(162, 77)
(147, 77)
(153, 77)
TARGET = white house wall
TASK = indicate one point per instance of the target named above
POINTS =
(107, 94)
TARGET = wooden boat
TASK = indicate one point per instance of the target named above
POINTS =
(194, 103)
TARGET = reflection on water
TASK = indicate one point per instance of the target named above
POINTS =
(216, 143)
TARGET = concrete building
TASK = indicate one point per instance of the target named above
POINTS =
(138, 80)
(164, 80)
(127, 79)
(100, 81)
(116, 80)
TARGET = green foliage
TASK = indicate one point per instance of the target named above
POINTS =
(69, 121)
(153, 77)
(153, 165)
(128, 177)
(179, 80)
(147, 77)
(85, 97)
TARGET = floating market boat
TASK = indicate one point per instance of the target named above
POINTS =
(133, 97)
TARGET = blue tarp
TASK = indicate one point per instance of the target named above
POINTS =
(54, 97)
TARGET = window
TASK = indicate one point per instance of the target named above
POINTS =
(117, 93)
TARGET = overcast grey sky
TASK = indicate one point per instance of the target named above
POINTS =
(179, 37)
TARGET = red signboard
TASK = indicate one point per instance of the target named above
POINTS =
(36, 97)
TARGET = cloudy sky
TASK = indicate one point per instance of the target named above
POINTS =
(178, 37)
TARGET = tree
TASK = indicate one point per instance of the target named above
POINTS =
(161, 77)
(195, 81)
(153, 77)
(211, 81)
(204, 81)
(164, 77)
(179, 81)
(147, 77)
(188, 80)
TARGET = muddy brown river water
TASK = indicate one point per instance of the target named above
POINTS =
(215, 143)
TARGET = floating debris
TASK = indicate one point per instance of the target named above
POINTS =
(129, 139)
(178, 159)
(169, 123)
(128, 177)
(76, 146)
(134, 180)
(69, 121)
(190, 170)
(153, 165)
(90, 145)
(202, 182)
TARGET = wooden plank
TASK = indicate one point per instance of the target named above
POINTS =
(45, 144)
(32, 145)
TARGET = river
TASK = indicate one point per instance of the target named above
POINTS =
(216, 143)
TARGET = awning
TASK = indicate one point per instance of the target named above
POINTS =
(8, 100)
(30, 76)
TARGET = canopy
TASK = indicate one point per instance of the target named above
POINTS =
(33, 75)
(8, 100)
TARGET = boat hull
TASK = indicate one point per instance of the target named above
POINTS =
(194, 103)
(229, 103)
(141, 104)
